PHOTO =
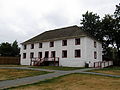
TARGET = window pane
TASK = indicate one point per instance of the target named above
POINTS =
(32, 46)
(51, 44)
(52, 54)
(95, 55)
(77, 41)
(40, 54)
(64, 42)
(24, 47)
(40, 45)
(94, 44)
(64, 53)
(32, 55)
(78, 53)
(24, 55)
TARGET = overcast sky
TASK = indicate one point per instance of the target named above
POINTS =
(22, 19)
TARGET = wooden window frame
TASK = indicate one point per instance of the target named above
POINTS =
(52, 44)
(63, 52)
(52, 54)
(76, 53)
(24, 55)
(95, 55)
(32, 55)
(64, 42)
(40, 56)
(76, 41)
(24, 47)
(32, 46)
(95, 44)
(40, 45)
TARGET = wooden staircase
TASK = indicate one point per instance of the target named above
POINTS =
(41, 61)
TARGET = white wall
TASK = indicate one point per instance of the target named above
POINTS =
(86, 47)
(90, 51)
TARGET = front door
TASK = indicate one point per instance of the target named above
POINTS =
(46, 54)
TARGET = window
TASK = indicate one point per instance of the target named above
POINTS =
(31, 55)
(32, 46)
(40, 54)
(52, 54)
(51, 44)
(24, 47)
(95, 55)
(95, 44)
(64, 42)
(77, 41)
(78, 53)
(40, 45)
(64, 54)
(24, 55)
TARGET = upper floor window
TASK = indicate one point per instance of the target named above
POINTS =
(24, 55)
(77, 41)
(64, 54)
(31, 55)
(78, 53)
(40, 45)
(32, 46)
(95, 55)
(24, 47)
(64, 42)
(51, 44)
(95, 44)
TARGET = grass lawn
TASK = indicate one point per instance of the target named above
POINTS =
(7, 74)
(75, 82)
(109, 70)
(57, 68)
(14, 66)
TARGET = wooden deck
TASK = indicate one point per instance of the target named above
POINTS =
(51, 61)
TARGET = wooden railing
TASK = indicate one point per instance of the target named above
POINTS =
(102, 64)
(37, 61)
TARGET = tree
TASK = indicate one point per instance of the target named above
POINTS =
(107, 30)
(16, 49)
(117, 29)
(91, 24)
(5, 49)
(107, 25)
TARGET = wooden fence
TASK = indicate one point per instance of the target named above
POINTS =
(9, 60)
(102, 64)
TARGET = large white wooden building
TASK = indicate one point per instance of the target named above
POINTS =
(69, 46)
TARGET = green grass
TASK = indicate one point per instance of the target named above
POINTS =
(9, 74)
(108, 70)
(74, 82)
(14, 66)
(57, 68)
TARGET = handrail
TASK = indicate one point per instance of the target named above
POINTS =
(38, 61)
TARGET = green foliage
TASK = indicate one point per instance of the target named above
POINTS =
(91, 23)
(15, 48)
(7, 49)
(107, 30)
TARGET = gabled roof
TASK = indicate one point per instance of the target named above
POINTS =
(57, 34)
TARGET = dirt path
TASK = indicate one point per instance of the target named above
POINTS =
(34, 79)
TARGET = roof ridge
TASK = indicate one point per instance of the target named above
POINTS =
(61, 28)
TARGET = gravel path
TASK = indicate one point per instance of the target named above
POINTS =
(34, 79)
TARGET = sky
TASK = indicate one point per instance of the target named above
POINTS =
(23, 19)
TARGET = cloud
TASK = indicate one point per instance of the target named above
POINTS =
(23, 19)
